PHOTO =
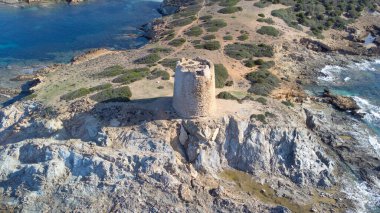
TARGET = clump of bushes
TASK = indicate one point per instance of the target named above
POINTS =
(169, 62)
(209, 37)
(259, 117)
(209, 45)
(194, 31)
(226, 95)
(262, 82)
(221, 75)
(262, 4)
(229, 10)
(159, 74)
(84, 91)
(268, 30)
(228, 3)
(177, 42)
(182, 22)
(228, 38)
(206, 18)
(214, 25)
(241, 51)
(261, 15)
(288, 103)
(121, 94)
(262, 100)
(243, 37)
(289, 18)
(266, 20)
(148, 59)
(111, 71)
(160, 50)
(132, 75)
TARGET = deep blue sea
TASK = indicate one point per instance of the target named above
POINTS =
(33, 36)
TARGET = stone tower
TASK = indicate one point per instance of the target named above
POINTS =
(194, 88)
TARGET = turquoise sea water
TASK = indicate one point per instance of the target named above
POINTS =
(34, 36)
(361, 81)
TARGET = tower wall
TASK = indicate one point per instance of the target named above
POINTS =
(194, 88)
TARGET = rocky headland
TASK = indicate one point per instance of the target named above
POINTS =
(100, 134)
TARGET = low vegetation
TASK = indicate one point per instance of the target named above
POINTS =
(221, 75)
(266, 20)
(268, 30)
(209, 45)
(229, 10)
(157, 73)
(121, 94)
(169, 62)
(209, 37)
(177, 42)
(228, 38)
(194, 31)
(132, 75)
(111, 71)
(84, 91)
(262, 82)
(244, 51)
(182, 22)
(214, 25)
(148, 59)
(243, 37)
(226, 95)
(262, 100)
(165, 50)
(228, 3)
(288, 103)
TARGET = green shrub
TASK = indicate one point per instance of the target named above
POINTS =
(169, 62)
(159, 73)
(240, 51)
(229, 10)
(262, 82)
(249, 63)
(177, 42)
(191, 10)
(209, 45)
(148, 59)
(259, 117)
(194, 31)
(228, 38)
(221, 75)
(268, 30)
(266, 20)
(228, 3)
(160, 50)
(262, 100)
(288, 103)
(226, 96)
(206, 18)
(182, 22)
(262, 4)
(132, 75)
(261, 15)
(214, 25)
(111, 71)
(121, 94)
(269, 115)
(243, 37)
(75, 94)
(288, 16)
(100, 87)
(267, 65)
(209, 37)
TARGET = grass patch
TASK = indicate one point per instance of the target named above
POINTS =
(268, 30)
(209, 37)
(169, 62)
(230, 10)
(226, 96)
(159, 74)
(241, 51)
(121, 94)
(194, 31)
(214, 25)
(165, 50)
(209, 45)
(262, 82)
(287, 103)
(111, 71)
(132, 75)
(266, 20)
(177, 42)
(228, 38)
(148, 59)
(221, 75)
(182, 22)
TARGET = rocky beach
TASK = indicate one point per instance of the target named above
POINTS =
(99, 134)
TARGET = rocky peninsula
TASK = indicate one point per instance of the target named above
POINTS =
(100, 134)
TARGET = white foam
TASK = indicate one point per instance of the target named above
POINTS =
(362, 195)
(330, 73)
(347, 79)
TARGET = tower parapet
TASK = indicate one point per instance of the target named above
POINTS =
(194, 88)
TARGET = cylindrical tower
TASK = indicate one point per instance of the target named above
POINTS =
(194, 88)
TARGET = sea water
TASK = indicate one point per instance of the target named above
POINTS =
(34, 36)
